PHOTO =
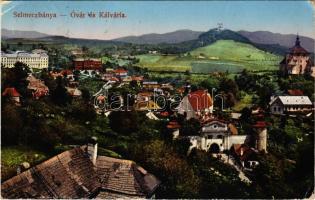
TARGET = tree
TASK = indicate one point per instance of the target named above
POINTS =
(60, 95)
(124, 122)
(190, 127)
(12, 124)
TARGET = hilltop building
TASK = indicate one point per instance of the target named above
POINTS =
(297, 61)
(38, 59)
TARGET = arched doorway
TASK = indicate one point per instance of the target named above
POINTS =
(214, 148)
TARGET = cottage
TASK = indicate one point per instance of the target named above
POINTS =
(12, 94)
(79, 174)
(245, 155)
(196, 104)
(38, 87)
(290, 104)
(146, 105)
(121, 73)
(151, 85)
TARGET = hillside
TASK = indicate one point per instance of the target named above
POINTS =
(154, 38)
(5, 34)
(222, 55)
(285, 40)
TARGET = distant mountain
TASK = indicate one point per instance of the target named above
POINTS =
(285, 40)
(154, 38)
(204, 39)
(7, 34)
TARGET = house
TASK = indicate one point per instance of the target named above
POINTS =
(74, 92)
(80, 174)
(146, 105)
(63, 73)
(297, 61)
(290, 104)
(121, 73)
(12, 94)
(144, 96)
(245, 155)
(151, 85)
(196, 104)
(38, 87)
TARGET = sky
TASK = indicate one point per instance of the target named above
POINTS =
(288, 17)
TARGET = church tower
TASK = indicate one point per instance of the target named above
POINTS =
(297, 60)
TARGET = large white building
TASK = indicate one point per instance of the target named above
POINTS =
(37, 60)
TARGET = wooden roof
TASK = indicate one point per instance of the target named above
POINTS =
(72, 174)
(124, 177)
(67, 175)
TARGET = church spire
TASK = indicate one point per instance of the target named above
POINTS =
(297, 42)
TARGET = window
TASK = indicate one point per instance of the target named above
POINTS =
(209, 137)
(219, 136)
(274, 109)
(279, 109)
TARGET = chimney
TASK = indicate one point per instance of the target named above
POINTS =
(95, 145)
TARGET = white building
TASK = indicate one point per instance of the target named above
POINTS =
(33, 60)
(290, 104)
(216, 137)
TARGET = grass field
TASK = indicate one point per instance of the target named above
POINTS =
(223, 55)
(13, 156)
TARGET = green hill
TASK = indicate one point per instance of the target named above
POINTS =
(222, 55)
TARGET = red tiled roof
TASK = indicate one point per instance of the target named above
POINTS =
(298, 50)
(200, 100)
(260, 124)
(137, 78)
(120, 71)
(295, 92)
(11, 92)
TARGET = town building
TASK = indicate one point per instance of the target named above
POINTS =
(87, 64)
(121, 73)
(37, 87)
(290, 104)
(297, 61)
(12, 94)
(151, 85)
(32, 60)
(245, 156)
(80, 173)
(196, 104)
(216, 136)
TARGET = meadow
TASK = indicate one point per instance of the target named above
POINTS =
(223, 55)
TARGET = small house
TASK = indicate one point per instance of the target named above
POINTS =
(290, 104)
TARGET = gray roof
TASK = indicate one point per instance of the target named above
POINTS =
(293, 100)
